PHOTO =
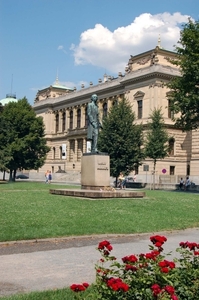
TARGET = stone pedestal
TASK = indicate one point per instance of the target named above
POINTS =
(95, 171)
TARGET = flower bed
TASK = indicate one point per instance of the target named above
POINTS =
(149, 275)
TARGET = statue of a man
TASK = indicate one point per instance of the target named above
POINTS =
(93, 123)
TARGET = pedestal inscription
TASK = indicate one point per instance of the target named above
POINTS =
(95, 171)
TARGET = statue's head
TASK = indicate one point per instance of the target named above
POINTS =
(94, 98)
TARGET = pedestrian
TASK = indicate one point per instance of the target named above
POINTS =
(124, 182)
(46, 176)
(120, 178)
(187, 184)
(181, 185)
(49, 177)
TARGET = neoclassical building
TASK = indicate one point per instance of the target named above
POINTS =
(64, 112)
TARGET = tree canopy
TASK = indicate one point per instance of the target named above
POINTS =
(122, 139)
(22, 138)
(156, 142)
(184, 95)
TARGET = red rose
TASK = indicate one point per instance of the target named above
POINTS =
(174, 297)
(165, 270)
(169, 289)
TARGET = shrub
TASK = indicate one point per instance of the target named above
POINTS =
(150, 275)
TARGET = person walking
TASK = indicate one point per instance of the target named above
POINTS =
(49, 177)
(181, 185)
(46, 176)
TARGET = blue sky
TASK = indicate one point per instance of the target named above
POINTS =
(80, 40)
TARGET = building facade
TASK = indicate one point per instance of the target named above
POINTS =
(64, 112)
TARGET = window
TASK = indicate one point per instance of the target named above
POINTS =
(78, 118)
(79, 149)
(171, 146)
(188, 170)
(71, 120)
(139, 109)
(104, 110)
(71, 150)
(170, 112)
(53, 152)
(64, 121)
(172, 170)
(86, 118)
(57, 122)
(115, 102)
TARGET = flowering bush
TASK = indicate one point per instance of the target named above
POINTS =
(148, 276)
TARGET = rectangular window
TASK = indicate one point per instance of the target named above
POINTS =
(139, 109)
(170, 112)
(172, 170)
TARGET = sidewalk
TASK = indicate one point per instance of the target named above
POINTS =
(50, 269)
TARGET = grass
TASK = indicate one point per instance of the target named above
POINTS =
(60, 294)
(28, 211)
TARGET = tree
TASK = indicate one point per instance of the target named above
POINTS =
(121, 139)
(22, 138)
(184, 95)
(156, 143)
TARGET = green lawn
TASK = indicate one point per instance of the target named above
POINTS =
(28, 211)
(60, 294)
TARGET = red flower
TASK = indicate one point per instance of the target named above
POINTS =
(152, 254)
(85, 284)
(156, 289)
(79, 287)
(131, 268)
(169, 289)
(165, 270)
(117, 284)
(171, 265)
(106, 247)
(196, 252)
(129, 259)
(162, 264)
(189, 245)
(174, 297)
(166, 263)
(158, 239)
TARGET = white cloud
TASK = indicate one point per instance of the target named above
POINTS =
(111, 50)
(61, 48)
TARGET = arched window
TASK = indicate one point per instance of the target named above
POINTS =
(171, 146)
(115, 102)
(57, 122)
(78, 118)
(104, 110)
(63, 121)
(86, 118)
(71, 120)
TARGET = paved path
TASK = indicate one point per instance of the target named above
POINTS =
(41, 268)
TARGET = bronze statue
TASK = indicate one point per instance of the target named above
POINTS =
(93, 123)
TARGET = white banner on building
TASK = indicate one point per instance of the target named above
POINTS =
(63, 151)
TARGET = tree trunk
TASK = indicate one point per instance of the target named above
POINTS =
(154, 165)
(10, 175)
